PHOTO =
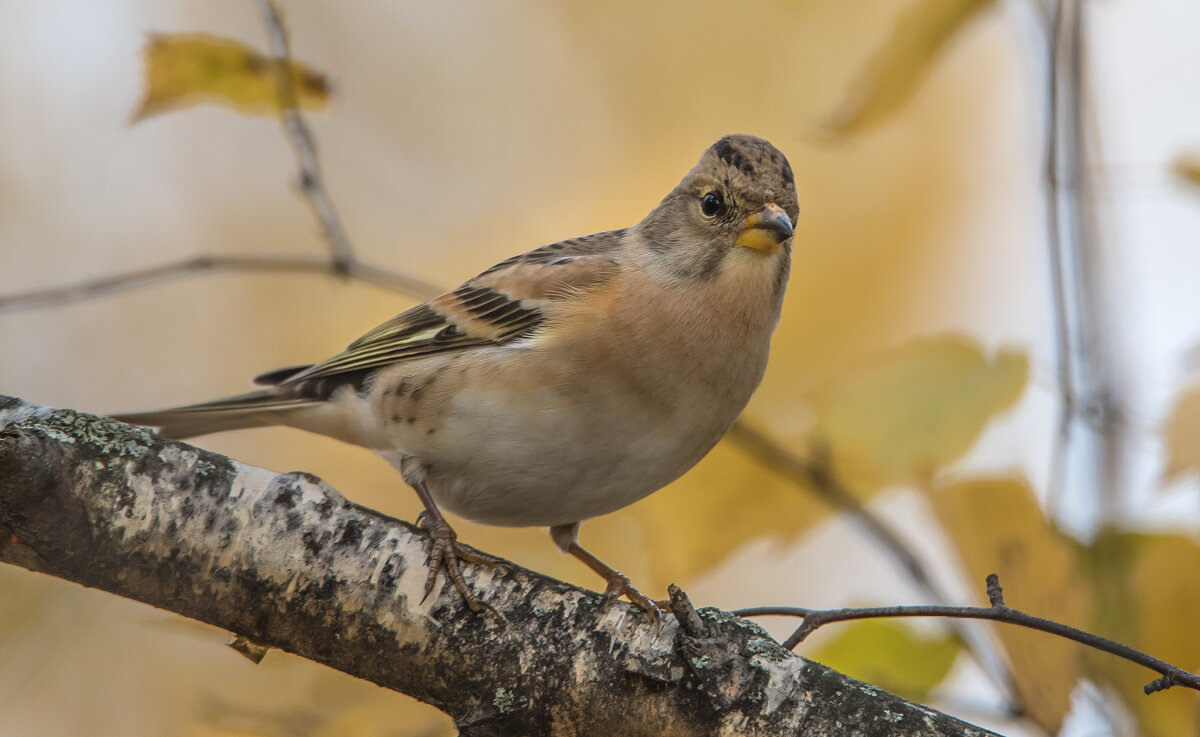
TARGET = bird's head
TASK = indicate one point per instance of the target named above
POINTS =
(741, 195)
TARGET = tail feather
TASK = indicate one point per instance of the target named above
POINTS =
(254, 409)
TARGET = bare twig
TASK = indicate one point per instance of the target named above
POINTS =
(340, 262)
(305, 147)
(998, 612)
(197, 265)
(1058, 279)
(1088, 386)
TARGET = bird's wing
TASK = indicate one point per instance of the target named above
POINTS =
(503, 304)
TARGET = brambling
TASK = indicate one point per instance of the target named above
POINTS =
(564, 383)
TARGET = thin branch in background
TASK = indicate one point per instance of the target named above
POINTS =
(298, 134)
(1088, 390)
(341, 261)
(815, 474)
(1170, 675)
(1058, 281)
(198, 265)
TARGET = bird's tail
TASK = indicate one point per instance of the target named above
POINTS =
(253, 409)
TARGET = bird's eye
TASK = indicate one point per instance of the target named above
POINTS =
(711, 204)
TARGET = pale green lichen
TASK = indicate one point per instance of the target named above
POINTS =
(700, 663)
(720, 616)
(203, 468)
(507, 702)
(109, 437)
(766, 647)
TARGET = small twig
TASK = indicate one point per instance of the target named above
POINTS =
(686, 614)
(196, 265)
(303, 144)
(997, 612)
(1052, 22)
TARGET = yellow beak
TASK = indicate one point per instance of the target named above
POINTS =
(766, 230)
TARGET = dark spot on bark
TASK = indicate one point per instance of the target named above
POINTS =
(287, 496)
(416, 394)
(210, 521)
(228, 531)
(391, 572)
(312, 546)
(351, 533)
(376, 539)
(172, 528)
(187, 509)
(430, 431)
(326, 505)
(402, 388)
(397, 418)
(411, 420)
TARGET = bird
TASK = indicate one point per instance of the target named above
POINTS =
(563, 383)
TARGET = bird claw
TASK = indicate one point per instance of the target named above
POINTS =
(446, 553)
(618, 586)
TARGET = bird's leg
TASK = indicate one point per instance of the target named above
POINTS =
(565, 537)
(447, 552)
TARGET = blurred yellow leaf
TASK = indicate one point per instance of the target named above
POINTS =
(1182, 435)
(188, 69)
(728, 500)
(905, 413)
(890, 655)
(1145, 587)
(895, 71)
(1187, 168)
(997, 527)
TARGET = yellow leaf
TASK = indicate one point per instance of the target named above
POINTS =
(1182, 435)
(997, 527)
(728, 500)
(188, 69)
(903, 414)
(1145, 586)
(890, 655)
(895, 71)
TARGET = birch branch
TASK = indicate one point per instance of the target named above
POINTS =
(285, 561)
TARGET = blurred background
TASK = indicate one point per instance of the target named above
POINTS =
(989, 339)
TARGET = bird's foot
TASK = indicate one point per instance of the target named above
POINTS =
(446, 553)
(618, 586)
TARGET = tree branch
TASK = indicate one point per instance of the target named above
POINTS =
(998, 612)
(301, 139)
(285, 561)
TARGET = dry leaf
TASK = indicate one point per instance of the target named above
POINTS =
(997, 527)
(1182, 435)
(901, 415)
(896, 71)
(189, 69)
